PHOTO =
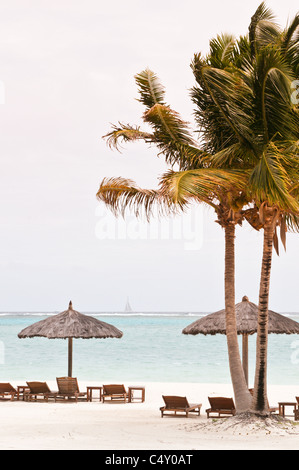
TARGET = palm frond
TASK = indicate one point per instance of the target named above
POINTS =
(214, 129)
(168, 125)
(205, 185)
(272, 80)
(150, 89)
(290, 34)
(236, 155)
(270, 182)
(222, 50)
(126, 133)
(121, 195)
(242, 54)
(263, 29)
(292, 221)
(290, 45)
(173, 137)
(233, 98)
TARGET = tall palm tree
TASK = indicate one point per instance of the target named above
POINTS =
(221, 189)
(245, 85)
(249, 131)
(277, 61)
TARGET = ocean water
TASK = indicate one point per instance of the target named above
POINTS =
(152, 349)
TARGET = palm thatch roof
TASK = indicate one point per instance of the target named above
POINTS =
(246, 315)
(71, 324)
(68, 325)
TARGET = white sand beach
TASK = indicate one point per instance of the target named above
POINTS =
(135, 426)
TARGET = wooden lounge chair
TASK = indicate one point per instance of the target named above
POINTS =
(7, 390)
(221, 406)
(114, 392)
(272, 409)
(179, 405)
(39, 389)
(68, 388)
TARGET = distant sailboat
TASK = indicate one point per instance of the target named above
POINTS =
(128, 307)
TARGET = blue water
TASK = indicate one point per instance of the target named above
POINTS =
(152, 348)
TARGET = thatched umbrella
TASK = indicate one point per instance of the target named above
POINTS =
(68, 325)
(246, 316)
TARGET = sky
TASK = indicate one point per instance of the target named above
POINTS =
(67, 70)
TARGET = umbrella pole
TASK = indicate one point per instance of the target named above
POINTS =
(245, 355)
(70, 357)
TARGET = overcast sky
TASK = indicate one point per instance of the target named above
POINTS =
(68, 70)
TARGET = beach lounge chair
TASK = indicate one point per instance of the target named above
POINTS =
(39, 389)
(114, 392)
(178, 404)
(7, 390)
(221, 406)
(68, 388)
(272, 409)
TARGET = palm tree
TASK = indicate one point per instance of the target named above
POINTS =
(221, 189)
(278, 62)
(245, 86)
(250, 131)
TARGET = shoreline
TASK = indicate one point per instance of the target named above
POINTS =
(135, 426)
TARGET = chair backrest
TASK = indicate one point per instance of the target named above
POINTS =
(67, 385)
(38, 387)
(221, 403)
(175, 401)
(7, 387)
(112, 389)
(297, 398)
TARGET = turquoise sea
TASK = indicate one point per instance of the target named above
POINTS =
(152, 349)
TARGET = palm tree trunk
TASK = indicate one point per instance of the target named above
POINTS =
(260, 402)
(242, 395)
